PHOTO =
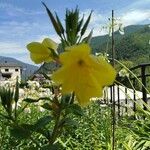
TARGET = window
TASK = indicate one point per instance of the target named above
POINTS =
(6, 75)
(16, 70)
(6, 70)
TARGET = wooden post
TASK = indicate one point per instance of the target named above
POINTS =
(113, 87)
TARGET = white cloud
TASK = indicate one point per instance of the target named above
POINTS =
(22, 32)
(10, 48)
(15, 50)
(126, 17)
(14, 28)
(139, 4)
(135, 17)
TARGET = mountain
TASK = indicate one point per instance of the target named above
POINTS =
(133, 46)
(27, 69)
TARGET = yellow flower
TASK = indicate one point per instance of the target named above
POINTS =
(40, 52)
(83, 73)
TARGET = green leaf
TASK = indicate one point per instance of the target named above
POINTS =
(20, 133)
(33, 128)
(28, 127)
(52, 147)
(16, 96)
(42, 122)
(47, 106)
(4, 116)
(31, 148)
(7, 98)
(75, 109)
(67, 122)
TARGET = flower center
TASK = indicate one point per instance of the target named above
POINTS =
(80, 62)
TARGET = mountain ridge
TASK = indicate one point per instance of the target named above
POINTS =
(27, 69)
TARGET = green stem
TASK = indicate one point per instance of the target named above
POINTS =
(55, 130)
(15, 111)
(3, 138)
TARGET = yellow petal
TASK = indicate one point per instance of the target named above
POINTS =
(87, 87)
(83, 73)
(73, 53)
(82, 48)
(50, 43)
(38, 48)
(62, 76)
(103, 71)
(38, 58)
(84, 96)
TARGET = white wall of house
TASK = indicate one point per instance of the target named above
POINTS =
(13, 71)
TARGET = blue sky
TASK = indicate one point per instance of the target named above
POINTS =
(23, 21)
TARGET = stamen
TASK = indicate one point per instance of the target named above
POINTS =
(80, 62)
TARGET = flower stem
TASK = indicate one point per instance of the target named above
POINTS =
(55, 130)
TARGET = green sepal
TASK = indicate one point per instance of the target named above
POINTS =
(88, 38)
(60, 24)
(80, 24)
(53, 20)
(54, 54)
(86, 24)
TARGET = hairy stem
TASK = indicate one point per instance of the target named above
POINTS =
(55, 130)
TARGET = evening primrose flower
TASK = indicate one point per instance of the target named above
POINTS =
(41, 52)
(83, 74)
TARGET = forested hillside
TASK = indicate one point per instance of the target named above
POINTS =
(132, 46)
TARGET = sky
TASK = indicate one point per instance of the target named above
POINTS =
(24, 21)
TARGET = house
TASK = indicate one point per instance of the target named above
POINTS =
(9, 71)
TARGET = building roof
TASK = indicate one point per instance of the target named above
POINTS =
(9, 64)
